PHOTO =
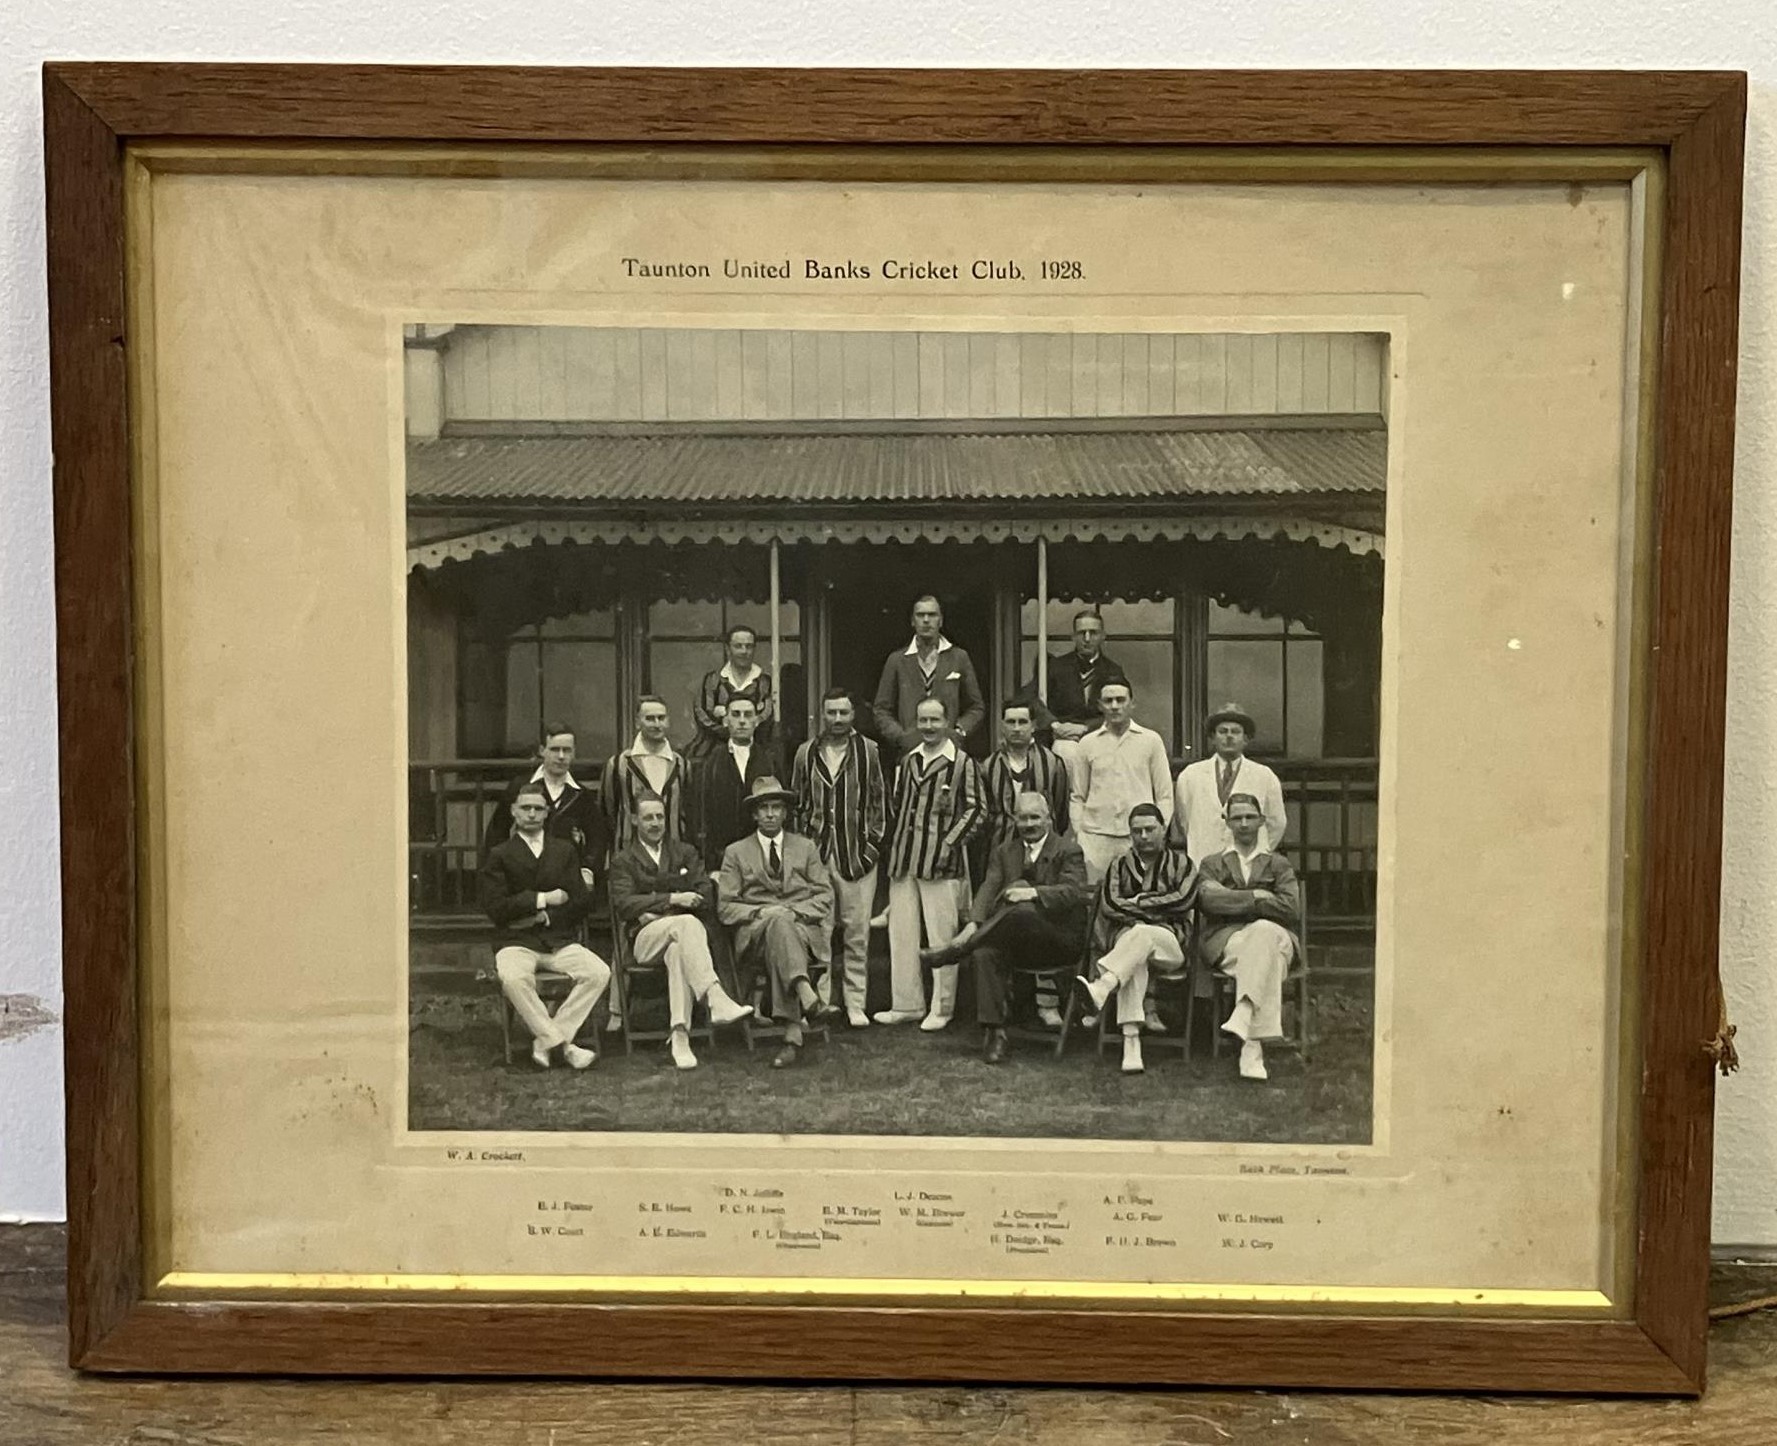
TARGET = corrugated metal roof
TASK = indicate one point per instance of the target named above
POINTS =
(701, 469)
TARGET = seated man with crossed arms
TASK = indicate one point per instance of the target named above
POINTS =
(1250, 907)
(1144, 920)
(660, 889)
(532, 890)
(1029, 914)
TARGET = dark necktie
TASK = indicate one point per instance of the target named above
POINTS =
(773, 864)
(1225, 781)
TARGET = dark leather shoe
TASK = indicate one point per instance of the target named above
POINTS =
(939, 957)
(786, 1057)
(818, 1013)
(994, 1052)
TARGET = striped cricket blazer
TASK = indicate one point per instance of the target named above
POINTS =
(938, 808)
(623, 779)
(1044, 773)
(844, 813)
(1133, 892)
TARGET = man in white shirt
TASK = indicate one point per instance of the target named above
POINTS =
(1204, 788)
(1118, 766)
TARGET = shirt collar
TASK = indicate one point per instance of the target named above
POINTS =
(947, 750)
(568, 780)
(732, 746)
(913, 647)
(665, 752)
(1038, 846)
(735, 678)
(765, 843)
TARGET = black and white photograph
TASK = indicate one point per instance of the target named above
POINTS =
(894, 732)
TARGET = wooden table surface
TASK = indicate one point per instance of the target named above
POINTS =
(42, 1403)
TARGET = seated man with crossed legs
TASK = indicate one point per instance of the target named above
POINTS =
(1144, 919)
(532, 890)
(775, 893)
(1250, 907)
(659, 888)
(1028, 915)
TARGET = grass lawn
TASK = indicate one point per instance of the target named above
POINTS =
(896, 1081)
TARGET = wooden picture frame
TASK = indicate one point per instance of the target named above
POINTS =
(1692, 122)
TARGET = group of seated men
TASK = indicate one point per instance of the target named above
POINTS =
(721, 872)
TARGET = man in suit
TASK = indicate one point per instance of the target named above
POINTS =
(1070, 710)
(930, 666)
(775, 893)
(1250, 909)
(721, 782)
(1029, 914)
(574, 815)
(938, 808)
(659, 888)
(1204, 788)
(1142, 927)
(530, 887)
(841, 803)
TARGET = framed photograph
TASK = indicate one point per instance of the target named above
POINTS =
(1051, 726)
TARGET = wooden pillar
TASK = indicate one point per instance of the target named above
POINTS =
(1042, 617)
(1191, 696)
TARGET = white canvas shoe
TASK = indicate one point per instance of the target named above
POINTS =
(577, 1057)
(615, 1022)
(897, 1016)
(1152, 1022)
(1240, 1022)
(681, 1050)
(1132, 1054)
(724, 1010)
(934, 1022)
(540, 1053)
(1051, 1018)
(857, 1019)
(1252, 1060)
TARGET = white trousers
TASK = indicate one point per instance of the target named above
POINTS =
(681, 943)
(1140, 949)
(851, 907)
(1101, 850)
(1257, 957)
(517, 967)
(939, 903)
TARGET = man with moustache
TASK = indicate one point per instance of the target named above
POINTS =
(1028, 915)
(775, 894)
(841, 804)
(659, 889)
(531, 889)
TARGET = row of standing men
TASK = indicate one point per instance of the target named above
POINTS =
(914, 820)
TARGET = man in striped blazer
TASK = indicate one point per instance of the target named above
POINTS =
(1022, 765)
(938, 808)
(841, 803)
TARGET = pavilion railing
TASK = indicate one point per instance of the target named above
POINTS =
(1332, 836)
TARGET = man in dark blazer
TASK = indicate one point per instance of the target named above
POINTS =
(720, 782)
(1029, 914)
(1249, 910)
(931, 666)
(775, 894)
(1069, 711)
(531, 888)
(574, 815)
(666, 902)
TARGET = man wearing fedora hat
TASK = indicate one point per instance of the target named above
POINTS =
(775, 893)
(1204, 788)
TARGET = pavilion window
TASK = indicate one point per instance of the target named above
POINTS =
(1139, 635)
(685, 641)
(1274, 668)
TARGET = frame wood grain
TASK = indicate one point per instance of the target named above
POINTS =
(1695, 119)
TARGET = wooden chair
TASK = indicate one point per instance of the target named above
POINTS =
(552, 988)
(759, 1025)
(1160, 988)
(646, 983)
(1220, 989)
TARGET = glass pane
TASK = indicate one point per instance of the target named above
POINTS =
(1121, 619)
(675, 671)
(522, 717)
(600, 623)
(1250, 673)
(483, 684)
(687, 619)
(580, 689)
(1304, 678)
(1239, 620)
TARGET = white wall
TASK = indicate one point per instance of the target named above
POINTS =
(1584, 33)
